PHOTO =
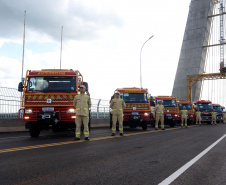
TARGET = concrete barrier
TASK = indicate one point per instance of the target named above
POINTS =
(13, 125)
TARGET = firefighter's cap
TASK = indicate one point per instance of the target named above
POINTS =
(82, 86)
(116, 92)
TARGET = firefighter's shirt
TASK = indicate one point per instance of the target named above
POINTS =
(198, 114)
(214, 115)
(82, 103)
(184, 113)
(117, 105)
(224, 116)
(159, 109)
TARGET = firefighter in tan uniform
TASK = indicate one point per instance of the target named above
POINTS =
(224, 117)
(184, 115)
(198, 117)
(82, 103)
(214, 117)
(117, 105)
(159, 110)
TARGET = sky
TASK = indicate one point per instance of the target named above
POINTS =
(101, 38)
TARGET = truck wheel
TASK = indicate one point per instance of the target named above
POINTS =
(144, 126)
(110, 123)
(89, 125)
(117, 126)
(172, 124)
(34, 131)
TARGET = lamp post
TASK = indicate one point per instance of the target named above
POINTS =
(140, 60)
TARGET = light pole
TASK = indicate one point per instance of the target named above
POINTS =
(140, 60)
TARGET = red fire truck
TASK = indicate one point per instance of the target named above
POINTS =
(138, 109)
(171, 113)
(189, 107)
(218, 110)
(206, 108)
(47, 100)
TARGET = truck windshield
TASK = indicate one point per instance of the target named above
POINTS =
(188, 106)
(217, 108)
(168, 103)
(51, 84)
(205, 106)
(134, 97)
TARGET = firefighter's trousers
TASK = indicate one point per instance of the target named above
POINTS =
(213, 121)
(161, 118)
(78, 121)
(183, 120)
(114, 120)
(198, 120)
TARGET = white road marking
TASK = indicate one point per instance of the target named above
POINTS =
(176, 174)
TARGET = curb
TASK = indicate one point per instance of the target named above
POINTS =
(22, 128)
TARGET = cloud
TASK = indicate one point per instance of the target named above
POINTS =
(45, 18)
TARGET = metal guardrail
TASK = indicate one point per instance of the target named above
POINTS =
(10, 103)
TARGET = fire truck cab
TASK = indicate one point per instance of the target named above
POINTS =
(206, 108)
(171, 113)
(218, 110)
(138, 109)
(189, 108)
(47, 100)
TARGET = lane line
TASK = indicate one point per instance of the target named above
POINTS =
(181, 170)
(80, 141)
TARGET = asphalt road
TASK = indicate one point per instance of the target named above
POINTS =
(139, 157)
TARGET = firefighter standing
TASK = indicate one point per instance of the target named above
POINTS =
(159, 110)
(117, 105)
(198, 117)
(184, 115)
(214, 115)
(82, 103)
(224, 117)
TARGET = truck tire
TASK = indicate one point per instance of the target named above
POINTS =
(110, 122)
(89, 124)
(172, 124)
(144, 126)
(34, 131)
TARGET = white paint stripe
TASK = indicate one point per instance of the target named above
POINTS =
(176, 174)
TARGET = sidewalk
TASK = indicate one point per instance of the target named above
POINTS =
(13, 129)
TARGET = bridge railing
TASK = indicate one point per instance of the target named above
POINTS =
(10, 103)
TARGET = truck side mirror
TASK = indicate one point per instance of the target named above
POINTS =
(86, 85)
(20, 87)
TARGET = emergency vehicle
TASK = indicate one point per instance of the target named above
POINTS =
(218, 110)
(138, 109)
(47, 100)
(189, 108)
(206, 108)
(171, 112)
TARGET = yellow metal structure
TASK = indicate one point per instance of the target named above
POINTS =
(193, 79)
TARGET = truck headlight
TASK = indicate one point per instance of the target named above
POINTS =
(28, 111)
(71, 111)
(146, 114)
